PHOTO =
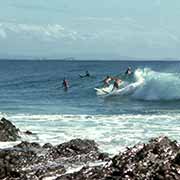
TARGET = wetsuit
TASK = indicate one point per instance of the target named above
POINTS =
(107, 81)
(117, 83)
(65, 83)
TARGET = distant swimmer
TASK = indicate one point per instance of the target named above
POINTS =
(128, 71)
(65, 84)
(107, 81)
(117, 83)
(86, 74)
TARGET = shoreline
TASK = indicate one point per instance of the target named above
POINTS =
(81, 159)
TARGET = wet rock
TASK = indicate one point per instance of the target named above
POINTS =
(77, 146)
(157, 160)
(86, 173)
(48, 145)
(78, 150)
(151, 161)
(104, 156)
(8, 132)
(27, 145)
(27, 161)
(32, 161)
(177, 159)
(28, 132)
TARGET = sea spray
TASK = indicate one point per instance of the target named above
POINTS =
(158, 86)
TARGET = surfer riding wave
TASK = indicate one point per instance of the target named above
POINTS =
(122, 87)
(148, 85)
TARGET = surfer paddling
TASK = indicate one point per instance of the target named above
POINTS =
(65, 84)
(86, 74)
(128, 71)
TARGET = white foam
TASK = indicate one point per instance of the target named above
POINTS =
(158, 86)
(8, 144)
(112, 132)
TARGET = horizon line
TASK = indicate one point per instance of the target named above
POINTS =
(64, 59)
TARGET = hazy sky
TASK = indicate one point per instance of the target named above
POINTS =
(95, 29)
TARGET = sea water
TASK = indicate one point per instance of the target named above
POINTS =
(32, 97)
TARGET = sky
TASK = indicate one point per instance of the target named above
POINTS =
(96, 29)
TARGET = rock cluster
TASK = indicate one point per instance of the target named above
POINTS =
(157, 160)
(32, 161)
(8, 132)
(26, 161)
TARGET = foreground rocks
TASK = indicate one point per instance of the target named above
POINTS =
(32, 161)
(157, 160)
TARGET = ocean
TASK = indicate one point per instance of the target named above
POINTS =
(32, 98)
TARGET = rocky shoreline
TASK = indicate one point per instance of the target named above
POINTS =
(159, 159)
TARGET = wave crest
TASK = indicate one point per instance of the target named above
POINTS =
(158, 86)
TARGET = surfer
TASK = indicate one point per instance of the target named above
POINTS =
(117, 83)
(106, 81)
(65, 84)
(128, 71)
(86, 74)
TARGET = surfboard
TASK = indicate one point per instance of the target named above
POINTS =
(126, 89)
(104, 90)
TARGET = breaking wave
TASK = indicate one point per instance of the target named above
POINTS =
(157, 85)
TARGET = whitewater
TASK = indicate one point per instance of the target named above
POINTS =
(112, 133)
(159, 86)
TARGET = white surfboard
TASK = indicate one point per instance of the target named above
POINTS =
(105, 90)
(127, 89)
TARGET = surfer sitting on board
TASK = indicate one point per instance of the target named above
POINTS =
(128, 71)
(106, 81)
(86, 75)
(117, 83)
(65, 84)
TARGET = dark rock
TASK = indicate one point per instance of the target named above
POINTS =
(77, 146)
(157, 160)
(27, 145)
(153, 161)
(86, 173)
(86, 148)
(48, 145)
(8, 132)
(104, 156)
(177, 159)
(28, 132)
(32, 161)
(27, 161)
